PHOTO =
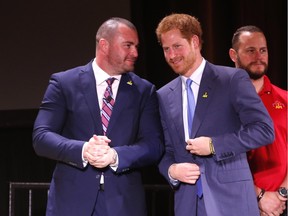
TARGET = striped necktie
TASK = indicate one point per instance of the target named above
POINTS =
(108, 102)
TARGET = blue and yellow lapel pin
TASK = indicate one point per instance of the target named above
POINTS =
(205, 95)
(130, 82)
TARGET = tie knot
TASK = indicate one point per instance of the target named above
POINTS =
(110, 81)
(189, 82)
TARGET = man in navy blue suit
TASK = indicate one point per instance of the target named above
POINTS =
(98, 168)
(229, 120)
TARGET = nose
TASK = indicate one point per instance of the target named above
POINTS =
(134, 52)
(259, 54)
(170, 54)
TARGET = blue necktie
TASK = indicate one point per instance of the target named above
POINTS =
(190, 112)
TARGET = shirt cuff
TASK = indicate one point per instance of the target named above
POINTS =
(115, 165)
(83, 160)
(174, 182)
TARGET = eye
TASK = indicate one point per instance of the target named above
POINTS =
(250, 51)
(127, 45)
(177, 46)
(165, 49)
(263, 51)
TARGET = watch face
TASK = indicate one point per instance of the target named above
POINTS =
(283, 191)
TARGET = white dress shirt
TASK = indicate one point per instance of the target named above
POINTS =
(196, 77)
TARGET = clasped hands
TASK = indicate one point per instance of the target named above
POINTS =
(190, 172)
(272, 204)
(98, 153)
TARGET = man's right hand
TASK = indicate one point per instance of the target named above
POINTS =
(185, 172)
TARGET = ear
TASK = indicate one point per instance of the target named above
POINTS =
(232, 54)
(195, 41)
(103, 44)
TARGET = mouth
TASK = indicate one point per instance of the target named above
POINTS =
(175, 61)
(131, 61)
(258, 64)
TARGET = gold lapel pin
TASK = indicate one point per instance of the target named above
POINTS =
(205, 95)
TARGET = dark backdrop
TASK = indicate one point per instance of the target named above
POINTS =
(219, 21)
(39, 38)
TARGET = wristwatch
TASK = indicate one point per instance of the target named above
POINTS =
(283, 192)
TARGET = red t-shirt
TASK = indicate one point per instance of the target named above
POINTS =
(269, 163)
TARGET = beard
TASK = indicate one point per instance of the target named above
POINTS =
(186, 63)
(253, 74)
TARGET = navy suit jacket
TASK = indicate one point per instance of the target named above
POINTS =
(69, 116)
(228, 110)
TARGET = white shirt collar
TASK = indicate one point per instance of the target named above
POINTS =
(197, 74)
(101, 75)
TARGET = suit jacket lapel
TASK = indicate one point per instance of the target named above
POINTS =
(205, 95)
(125, 95)
(174, 99)
(88, 87)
